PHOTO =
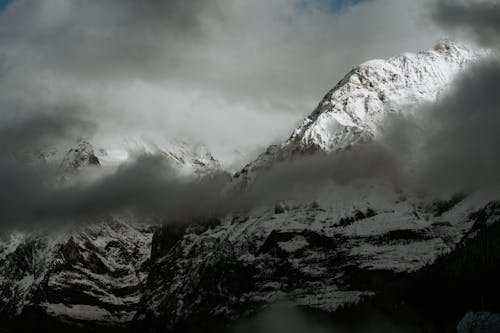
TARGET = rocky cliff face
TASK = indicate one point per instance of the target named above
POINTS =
(317, 255)
(80, 156)
(93, 275)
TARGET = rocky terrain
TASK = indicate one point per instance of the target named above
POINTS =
(91, 275)
(335, 253)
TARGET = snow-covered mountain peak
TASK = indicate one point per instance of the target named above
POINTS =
(187, 157)
(346, 246)
(81, 155)
(352, 111)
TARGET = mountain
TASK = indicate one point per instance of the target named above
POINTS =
(355, 108)
(91, 275)
(346, 249)
(353, 111)
(345, 246)
(80, 156)
(187, 157)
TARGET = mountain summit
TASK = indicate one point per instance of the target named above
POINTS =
(353, 111)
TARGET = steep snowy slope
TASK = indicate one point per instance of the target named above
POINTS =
(353, 110)
(189, 158)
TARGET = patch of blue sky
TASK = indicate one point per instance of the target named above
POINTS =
(334, 6)
(4, 4)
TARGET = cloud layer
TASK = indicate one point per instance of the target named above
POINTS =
(235, 75)
(479, 17)
(120, 64)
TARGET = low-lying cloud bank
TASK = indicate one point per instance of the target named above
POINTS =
(447, 147)
(450, 146)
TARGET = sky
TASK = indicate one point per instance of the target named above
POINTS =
(4, 4)
(236, 76)
(336, 6)
(233, 75)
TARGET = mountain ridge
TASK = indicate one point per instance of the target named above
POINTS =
(313, 254)
(353, 111)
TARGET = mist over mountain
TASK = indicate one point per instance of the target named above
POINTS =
(163, 167)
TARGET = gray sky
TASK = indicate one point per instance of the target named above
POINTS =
(235, 75)
(232, 75)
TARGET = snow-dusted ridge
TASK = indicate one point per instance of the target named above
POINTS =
(90, 274)
(354, 110)
(187, 157)
(314, 254)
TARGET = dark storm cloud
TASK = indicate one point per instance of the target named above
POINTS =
(26, 186)
(3, 65)
(448, 147)
(96, 38)
(461, 148)
(153, 15)
(22, 129)
(481, 18)
(186, 67)
(305, 175)
(154, 38)
(454, 148)
(147, 187)
(38, 194)
(461, 137)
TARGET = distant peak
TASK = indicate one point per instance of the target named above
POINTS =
(446, 45)
(81, 155)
